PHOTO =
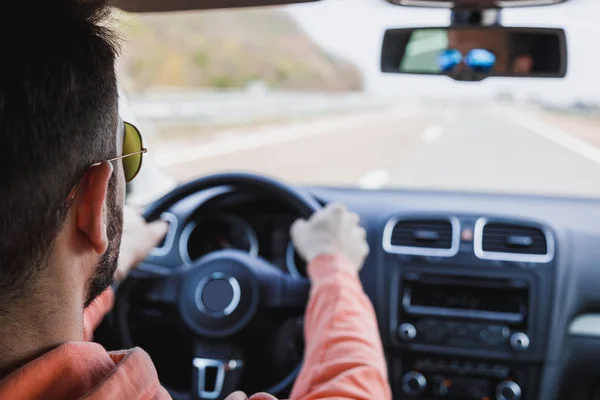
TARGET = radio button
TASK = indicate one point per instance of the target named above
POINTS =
(491, 336)
(441, 366)
(451, 327)
(407, 332)
(455, 366)
(468, 367)
(501, 371)
(482, 369)
(495, 329)
(508, 390)
(462, 331)
(519, 341)
(433, 331)
(414, 384)
(425, 364)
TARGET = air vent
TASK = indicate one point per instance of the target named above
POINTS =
(422, 236)
(512, 241)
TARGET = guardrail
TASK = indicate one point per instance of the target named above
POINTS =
(239, 106)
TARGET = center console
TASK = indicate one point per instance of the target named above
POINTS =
(466, 324)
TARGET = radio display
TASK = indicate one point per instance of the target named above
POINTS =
(469, 298)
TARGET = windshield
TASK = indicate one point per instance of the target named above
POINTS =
(296, 93)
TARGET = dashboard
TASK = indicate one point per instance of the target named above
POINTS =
(258, 226)
(478, 296)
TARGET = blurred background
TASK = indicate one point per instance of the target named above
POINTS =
(296, 93)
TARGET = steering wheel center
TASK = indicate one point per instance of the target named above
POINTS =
(219, 294)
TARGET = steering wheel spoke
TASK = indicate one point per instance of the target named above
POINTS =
(288, 293)
(155, 288)
(163, 291)
(218, 370)
(278, 288)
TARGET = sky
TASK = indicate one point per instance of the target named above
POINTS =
(353, 30)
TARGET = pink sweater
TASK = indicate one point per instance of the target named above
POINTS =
(343, 358)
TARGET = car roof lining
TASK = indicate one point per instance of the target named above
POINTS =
(141, 6)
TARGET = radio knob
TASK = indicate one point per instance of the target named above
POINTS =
(413, 384)
(519, 341)
(508, 390)
(407, 332)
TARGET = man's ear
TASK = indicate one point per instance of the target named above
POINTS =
(523, 64)
(90, 206)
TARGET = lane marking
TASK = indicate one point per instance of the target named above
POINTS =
(433, 133)
(268, 136)
(551, 133)
(375, 179)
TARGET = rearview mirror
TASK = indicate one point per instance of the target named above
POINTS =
(475, 53)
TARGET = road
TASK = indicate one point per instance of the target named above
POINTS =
(481, 147)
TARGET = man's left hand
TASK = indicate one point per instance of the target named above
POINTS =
(139, 238)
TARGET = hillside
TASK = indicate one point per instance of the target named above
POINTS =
(227, 49)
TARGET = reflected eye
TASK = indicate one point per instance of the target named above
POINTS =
(449, 59)
(480, 60)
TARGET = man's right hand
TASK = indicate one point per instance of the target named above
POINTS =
(332, 230)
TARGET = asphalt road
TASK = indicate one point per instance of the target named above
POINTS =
(480, 147)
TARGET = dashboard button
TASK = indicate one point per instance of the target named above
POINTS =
(501, 371)
(432, 331)
(508, 390)
(519, 341)
(407, 332)
(482, 369)
(414, 383)
(495, 329)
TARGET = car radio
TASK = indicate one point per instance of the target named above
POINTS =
(447, 378)
(487, 314)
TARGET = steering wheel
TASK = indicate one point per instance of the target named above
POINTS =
(219, 296)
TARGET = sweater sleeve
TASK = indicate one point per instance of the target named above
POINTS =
(344, 356)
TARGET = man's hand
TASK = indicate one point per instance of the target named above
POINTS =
(332, 230)
(139, 238)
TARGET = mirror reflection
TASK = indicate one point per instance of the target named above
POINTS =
(494, 51)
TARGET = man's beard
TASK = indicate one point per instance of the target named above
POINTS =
(105, 269)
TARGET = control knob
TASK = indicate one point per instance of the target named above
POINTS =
(407, 332)
(508, 390)
(413, 384)
(519, 341)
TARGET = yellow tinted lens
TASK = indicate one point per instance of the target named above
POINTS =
(132, 143)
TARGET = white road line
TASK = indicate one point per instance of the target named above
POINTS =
(375, 179)
(433, 133)
(550, 132)
(256, 138)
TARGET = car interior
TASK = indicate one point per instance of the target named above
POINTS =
(478, 295)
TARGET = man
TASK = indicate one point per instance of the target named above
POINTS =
(65, 159)
(511, 55)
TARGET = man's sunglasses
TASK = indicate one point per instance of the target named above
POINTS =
(133, 149)
(479, 60)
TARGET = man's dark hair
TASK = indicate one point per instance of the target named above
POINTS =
(58, 115)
